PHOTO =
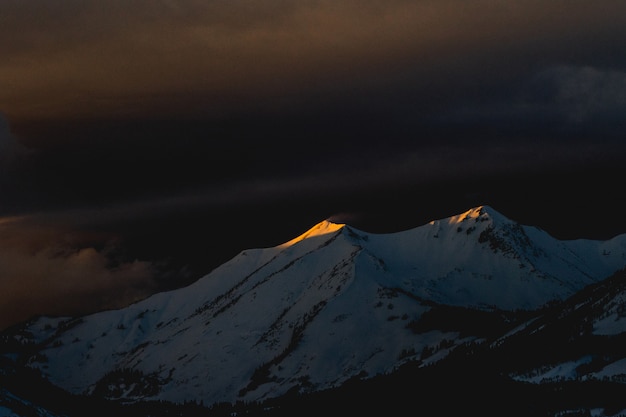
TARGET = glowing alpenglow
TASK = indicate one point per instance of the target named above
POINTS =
(310, 314)
(320, 229)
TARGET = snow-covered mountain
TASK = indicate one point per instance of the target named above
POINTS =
(586, 335)
(332, 304)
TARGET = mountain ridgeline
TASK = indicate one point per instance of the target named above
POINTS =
(338, 313)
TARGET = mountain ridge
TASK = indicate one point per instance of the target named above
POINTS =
(309, 314)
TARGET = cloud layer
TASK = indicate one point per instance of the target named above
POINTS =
(125, 59)
(46, 270)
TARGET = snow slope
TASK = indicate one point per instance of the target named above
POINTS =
(332, 304)
(580, 339)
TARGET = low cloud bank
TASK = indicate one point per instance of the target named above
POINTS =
(46, 271)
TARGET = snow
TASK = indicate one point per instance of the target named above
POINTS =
(613, 321)
(321, 308)
(7, 399)
(610, 325)
(568, 371)
(5, 412)
(446, 262)
(558, 372)
(514, 331)
(612, 370)
(593, 412)
(320, 229)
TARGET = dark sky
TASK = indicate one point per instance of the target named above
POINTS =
(143, 143)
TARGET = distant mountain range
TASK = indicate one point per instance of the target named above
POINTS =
(339, 313)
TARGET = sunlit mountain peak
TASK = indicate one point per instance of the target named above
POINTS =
(322, 228)
(325, 308)
(483, 213)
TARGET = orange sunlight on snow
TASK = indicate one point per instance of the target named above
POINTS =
(323, 228)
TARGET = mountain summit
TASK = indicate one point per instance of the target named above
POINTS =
(322, 228)
(327, 306)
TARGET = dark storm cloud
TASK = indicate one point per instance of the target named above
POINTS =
(121, 58)
(10, 148)
(120, 101)
(557, 102)
(12, 154)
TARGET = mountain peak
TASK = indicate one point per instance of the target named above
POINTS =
(324, 308)
(322, 228)
(479, 213)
